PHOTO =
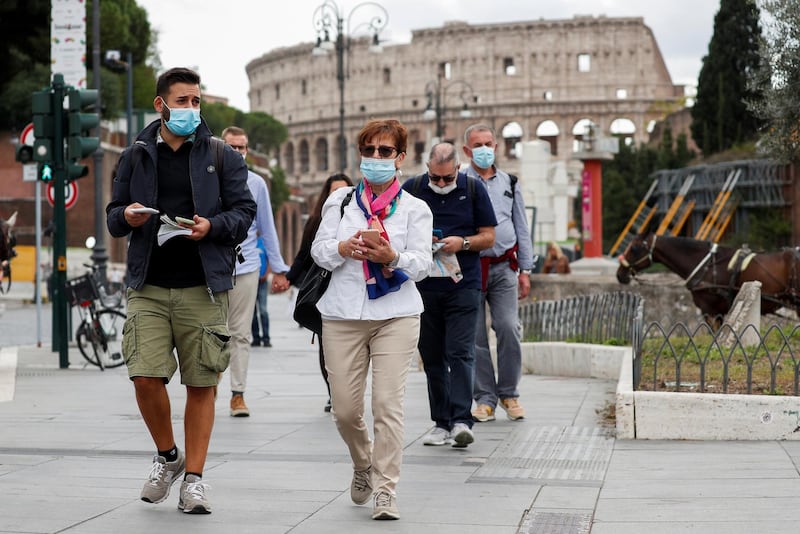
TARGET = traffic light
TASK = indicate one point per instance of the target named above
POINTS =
(78, 124)
(24, 154)
(45, 172)
(43, 128)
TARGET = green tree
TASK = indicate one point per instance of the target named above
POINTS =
(720, 116)
(25, 35)
(778, 80)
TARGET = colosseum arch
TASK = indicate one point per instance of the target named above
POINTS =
(548, 131)
(624, 129)
(288, 158)
(578, 131)
(305, 157)
(321, 154)
(511, 134)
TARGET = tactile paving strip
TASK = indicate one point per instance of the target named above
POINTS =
(542, 454)
(555, 523)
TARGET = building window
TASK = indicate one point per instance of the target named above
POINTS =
(303, 87)
(508, 66)
(277, 91)
(584, 63)
(622, 94)
(548, 95)
(321, 151)
(387, 75)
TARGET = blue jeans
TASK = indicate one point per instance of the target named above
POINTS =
(447, 347)
(501, 296)
(260, 315)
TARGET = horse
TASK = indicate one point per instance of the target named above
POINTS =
(7, 243)
(714, 273)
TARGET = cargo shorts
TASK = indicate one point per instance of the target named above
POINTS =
(167, 328)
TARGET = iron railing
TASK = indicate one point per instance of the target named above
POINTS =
(609, 318)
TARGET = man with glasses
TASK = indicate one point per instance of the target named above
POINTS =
(506, 268)
(463, 221)
(242, 298)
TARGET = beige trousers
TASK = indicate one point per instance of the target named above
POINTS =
(350, 348)
(241, 304)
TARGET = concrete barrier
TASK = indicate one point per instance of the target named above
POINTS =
(667, 415)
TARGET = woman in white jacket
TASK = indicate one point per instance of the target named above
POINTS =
(370, 311)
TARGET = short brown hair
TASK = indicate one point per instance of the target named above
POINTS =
(384, 126)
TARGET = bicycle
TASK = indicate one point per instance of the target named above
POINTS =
(99, 334)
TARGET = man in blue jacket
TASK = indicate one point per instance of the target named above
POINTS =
(177, 299)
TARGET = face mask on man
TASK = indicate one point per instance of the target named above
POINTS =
(182, 121)
(483, 156)
(442, 190)
(377, 171)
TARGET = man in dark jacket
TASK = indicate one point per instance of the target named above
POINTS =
(178, 301)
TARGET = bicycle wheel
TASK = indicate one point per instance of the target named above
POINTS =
(105, 339)
(82, 338)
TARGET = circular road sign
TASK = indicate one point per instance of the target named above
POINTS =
(70, 194)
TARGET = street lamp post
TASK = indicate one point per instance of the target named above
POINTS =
(329, 19)
(436, 93)
(113, 61)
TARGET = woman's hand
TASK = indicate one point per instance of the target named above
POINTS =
(377, 251)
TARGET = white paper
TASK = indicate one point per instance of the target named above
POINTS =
(145, 210)
(445, 264)
(170, 229)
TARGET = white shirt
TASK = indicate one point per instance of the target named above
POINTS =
(409, 228)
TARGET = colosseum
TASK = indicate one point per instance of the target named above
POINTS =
(536, 80)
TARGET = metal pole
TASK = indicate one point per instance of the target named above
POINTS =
(129, 117)
(99, 256)
(340, 48)
(38, 289)
(60, 336)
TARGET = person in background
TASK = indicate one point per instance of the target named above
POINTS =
(242, 297)
(260, 325)
(303, 260)
(370, 311)
(178, 291)
(464, 218)
(555, 262)
(506, 269)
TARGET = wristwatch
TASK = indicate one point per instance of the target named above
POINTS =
(525, 271)
(465, 245)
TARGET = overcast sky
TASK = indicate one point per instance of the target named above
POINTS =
(220, 37)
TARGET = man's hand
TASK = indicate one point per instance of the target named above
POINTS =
(279, 283)
(524, 285)
(200, 228)
(135, 219)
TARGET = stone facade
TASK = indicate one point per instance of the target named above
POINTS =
(537, 79)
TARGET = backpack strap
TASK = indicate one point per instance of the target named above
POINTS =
(218, 146)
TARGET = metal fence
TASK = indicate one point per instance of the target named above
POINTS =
(699, 359)
(611, 318)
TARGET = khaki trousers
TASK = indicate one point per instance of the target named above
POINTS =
(241, 304)
(350, 347)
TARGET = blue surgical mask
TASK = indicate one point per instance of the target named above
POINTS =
(483, 156)
(183, 121)
(377, 171)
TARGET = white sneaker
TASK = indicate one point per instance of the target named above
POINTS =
(437, 436)
(462, 435)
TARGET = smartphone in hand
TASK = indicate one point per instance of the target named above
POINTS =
(371, 237)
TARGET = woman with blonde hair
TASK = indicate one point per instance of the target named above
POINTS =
(555, 262)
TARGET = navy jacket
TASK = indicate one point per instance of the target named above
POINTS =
(230, 210)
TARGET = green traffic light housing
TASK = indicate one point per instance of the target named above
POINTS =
(78, 124)
(24, 154)
(45, 172)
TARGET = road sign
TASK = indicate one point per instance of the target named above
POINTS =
(70, 194)
(27, 136)
(30, 172)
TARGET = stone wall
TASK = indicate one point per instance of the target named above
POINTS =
(666, 300)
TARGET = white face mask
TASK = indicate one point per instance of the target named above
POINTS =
(442, 190)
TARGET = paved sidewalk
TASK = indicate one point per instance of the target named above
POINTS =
(74, 454)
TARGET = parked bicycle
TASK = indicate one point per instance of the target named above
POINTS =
(99, 334)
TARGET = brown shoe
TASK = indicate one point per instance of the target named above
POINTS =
(483, 413)
(513, 408)
(238, 407)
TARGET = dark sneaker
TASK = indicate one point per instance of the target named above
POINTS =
(162, 475)
(193, 496)
(361, 486)
(385, 506)
(462, 435)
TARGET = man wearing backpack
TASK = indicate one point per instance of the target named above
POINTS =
(463, 222)
(178, 288)
(506, 269)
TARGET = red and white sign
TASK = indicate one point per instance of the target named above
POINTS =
(27, 137)
(70, 194)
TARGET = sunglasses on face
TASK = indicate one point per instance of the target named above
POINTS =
(384, 151)
(447, 179)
